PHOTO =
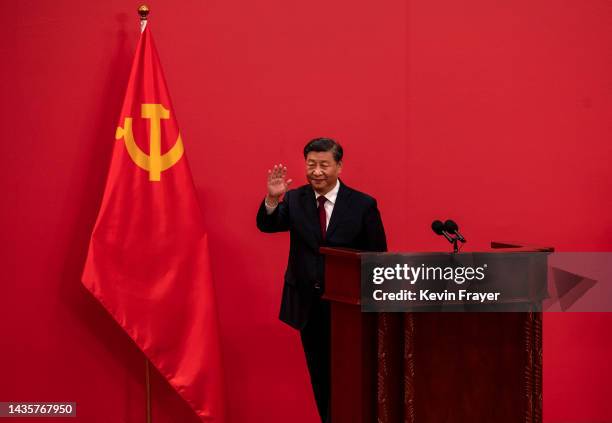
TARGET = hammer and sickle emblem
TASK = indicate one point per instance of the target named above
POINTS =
(154, 162)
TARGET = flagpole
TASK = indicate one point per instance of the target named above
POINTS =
(143, 11)
(148, 389)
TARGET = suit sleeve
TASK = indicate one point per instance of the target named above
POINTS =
(376, 239)
(277, 221)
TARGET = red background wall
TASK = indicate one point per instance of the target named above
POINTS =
(494, 113)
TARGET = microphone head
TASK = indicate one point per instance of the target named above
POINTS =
(450, 226)
(437, 226)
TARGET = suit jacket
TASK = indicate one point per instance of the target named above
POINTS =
(355, 223)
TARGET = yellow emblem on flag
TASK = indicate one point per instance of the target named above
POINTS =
(154, 162)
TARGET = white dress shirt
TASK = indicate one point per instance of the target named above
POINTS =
(329, 204)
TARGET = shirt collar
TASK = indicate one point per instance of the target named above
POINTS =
(331, 196)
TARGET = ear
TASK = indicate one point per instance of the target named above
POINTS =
(339, 166)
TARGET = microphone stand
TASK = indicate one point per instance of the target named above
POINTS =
(455, 246)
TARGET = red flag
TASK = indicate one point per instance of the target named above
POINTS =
(148, 260)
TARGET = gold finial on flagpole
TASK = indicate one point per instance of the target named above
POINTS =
(143, 11)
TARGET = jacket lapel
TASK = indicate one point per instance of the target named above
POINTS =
(340, 208)
(310, 211)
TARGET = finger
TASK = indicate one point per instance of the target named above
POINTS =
(289, 181)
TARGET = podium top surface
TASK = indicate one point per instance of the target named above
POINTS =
(496, 247)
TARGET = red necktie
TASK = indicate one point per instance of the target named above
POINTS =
(322, 215)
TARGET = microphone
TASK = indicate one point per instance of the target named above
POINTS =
(438, 227)
(451, 227)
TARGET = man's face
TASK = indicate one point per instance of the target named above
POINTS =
(322, 171)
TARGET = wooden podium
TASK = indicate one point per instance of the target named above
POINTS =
(422, 367)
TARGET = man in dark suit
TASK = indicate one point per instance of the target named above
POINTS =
(325, 212)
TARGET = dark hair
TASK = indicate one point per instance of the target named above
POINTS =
(324, 144)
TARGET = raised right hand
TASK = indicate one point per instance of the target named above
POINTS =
(277, 183)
